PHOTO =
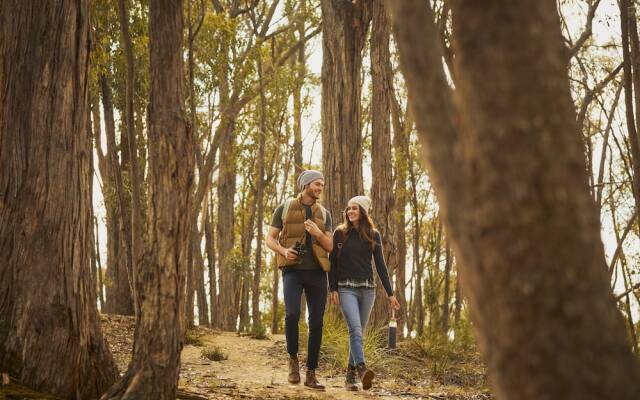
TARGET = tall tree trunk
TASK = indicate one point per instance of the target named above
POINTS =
(382, 186)
(92, 239)
(523, 156)
(631, 76)
(344, 30)
(136, 224)
(434, 280)
(154, 369)
(300, 68)
(225, 235)
(444, 321)
(195, 265)
(624, 268)
(225, 239)
(257, 273)
(119, 272)
(274, 296)
(99, 272)
(247, 229)
(211, 261)
(189, 303)
(418, 265)
(401, 149)
(106, 182)
(198, 264)
(457, 302)
(50, 337)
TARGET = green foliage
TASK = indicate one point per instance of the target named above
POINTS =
(450, 362)
(334, 353)
(267, 315)
(242, 266)
(191, 337)
(258, 331)
(214, 353)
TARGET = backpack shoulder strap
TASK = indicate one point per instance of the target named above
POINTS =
(285, 208)
(324, 216)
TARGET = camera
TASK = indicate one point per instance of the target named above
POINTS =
(300, 248)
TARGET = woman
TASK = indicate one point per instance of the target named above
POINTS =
(351, 281)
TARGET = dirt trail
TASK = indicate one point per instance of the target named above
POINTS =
(256, 369)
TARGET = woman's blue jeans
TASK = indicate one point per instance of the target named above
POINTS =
(356, 304)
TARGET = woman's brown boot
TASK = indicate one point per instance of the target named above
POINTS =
(366, 376)
(351, 382)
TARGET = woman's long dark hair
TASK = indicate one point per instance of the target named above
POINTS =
(365, 227)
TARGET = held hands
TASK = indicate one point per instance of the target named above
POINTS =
(335, 299)
(393, 302)
(312, 228)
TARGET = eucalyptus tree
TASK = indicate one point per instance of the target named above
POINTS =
(50, 337)
(509, 143)
(344, 31)
(158, 340)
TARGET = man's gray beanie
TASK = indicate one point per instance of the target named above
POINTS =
(308, 176)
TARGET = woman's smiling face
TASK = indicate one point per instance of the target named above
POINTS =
(353, 212)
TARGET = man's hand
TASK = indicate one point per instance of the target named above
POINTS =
(312, 228)
(290, 254)
(335, 298)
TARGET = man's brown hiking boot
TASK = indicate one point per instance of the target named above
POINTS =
(351, 382)
(366, 376)
(294, 370)
(311, 381)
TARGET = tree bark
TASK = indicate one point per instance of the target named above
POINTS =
(509, 145)
(344, 30)
(401, 149)
(50, 337)
(119, 273)
(198, 264)
(154, 369)
(100, 282)
(211, 261)
(274, 297)
(189, 303)
(418, 265)
(457, 303)
(382, 194)
(444, 321)
(631, 78)
(257, 273)
(136, 223)
(300, 68)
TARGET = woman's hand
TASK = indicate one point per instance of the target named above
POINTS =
(393, 302)
(335, 298)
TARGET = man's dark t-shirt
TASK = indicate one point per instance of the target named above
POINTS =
(309, 261)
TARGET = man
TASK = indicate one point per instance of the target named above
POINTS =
(300, 234)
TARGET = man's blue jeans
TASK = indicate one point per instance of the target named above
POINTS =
(314, 284)
(356, 304)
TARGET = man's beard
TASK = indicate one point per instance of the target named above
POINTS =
(313, 195)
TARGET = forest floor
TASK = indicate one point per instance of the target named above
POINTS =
(257, 369)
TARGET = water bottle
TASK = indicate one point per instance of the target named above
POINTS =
(393, 326)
